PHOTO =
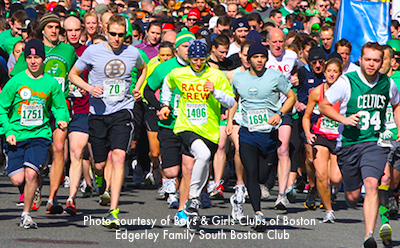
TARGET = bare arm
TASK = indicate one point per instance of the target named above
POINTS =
(142, 71)
(312, 100)
(326, 109)
(74, 78)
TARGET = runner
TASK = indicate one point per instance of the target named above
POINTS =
(239, 197)
(364, 96)
(203, 90)
(170, 144)
(79, 130)
(24, 115)
(262, 113)
(285, 61)
(110, 120)
(323, 138)
(59, 60)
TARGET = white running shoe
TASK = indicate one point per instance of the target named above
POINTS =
(264, 191)
(237, 208)
(329, 217)
(27, 222)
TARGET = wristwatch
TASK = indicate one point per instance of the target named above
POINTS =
(162, 105)
(280, 113)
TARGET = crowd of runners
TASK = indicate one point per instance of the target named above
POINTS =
(175, 93)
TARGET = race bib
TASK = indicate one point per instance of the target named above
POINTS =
(258, 119)
(329, 126)
(61, 81)
(176, 104)
(114, 90)
(390, 124)
(197, 113)
(239, 112)
(31, 115)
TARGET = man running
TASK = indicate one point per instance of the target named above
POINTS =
(24, 116)
(203, 90)
(110, 122)
(364, 96)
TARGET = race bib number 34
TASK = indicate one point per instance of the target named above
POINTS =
(197, 113)
(257, 119)
(31, 115)
(114, 90)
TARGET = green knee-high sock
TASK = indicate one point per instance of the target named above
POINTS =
(383, 194)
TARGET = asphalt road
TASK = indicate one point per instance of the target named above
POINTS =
(149, 223)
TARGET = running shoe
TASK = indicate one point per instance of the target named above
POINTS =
(181, 218)
(240, 192)
(393, 207)
(88, 192)
(264, 191)
(173, 201)
(99, 184)
(191, 210)
(71, 208)
(168, 187)
(306, 188)
(20, 202)
(112, 221)
(205, 200)
(27, 222)
(291, 194)
(329, 217)
(67, 182)
(217, 192)
(82, 186)
(137, 176)
(37, 200)
(54, 207)
(386, 234)
(369, 242)
(105, 198)
(237, 208)
(310, 201)
(334, 192)
(259, 222)
(281, 202)
(299, 184)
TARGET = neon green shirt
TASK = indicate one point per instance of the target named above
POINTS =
(199, 111)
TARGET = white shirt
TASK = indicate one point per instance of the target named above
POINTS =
(284, 63)
(350, 68)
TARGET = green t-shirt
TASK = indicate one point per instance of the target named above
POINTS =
(155, 82)
(199, 111)
(24, 105)
(135, 70)
(8, 45)
(59, 61)
(390, 124)
(285, 12)
(371, 104)
(4, 37)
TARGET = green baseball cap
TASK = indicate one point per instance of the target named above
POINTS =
(395, 44)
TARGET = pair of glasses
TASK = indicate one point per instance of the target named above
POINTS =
(192, 19)
(326, 5)
(119, 34)
(195, 60)
(304, 6)
(320, 61)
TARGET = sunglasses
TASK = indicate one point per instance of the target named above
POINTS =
(114, 34)
(192, 19)
(397, 60)
(195, 60)
(320, 61)
(326, 6)
(303, 6)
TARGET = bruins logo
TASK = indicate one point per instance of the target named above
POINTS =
(115, 68)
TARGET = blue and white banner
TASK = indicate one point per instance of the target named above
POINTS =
(362, 21)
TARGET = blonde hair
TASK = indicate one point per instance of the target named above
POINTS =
(90, 14)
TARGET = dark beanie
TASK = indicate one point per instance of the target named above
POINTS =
(34, 47)
(335, 55)
(256, 48)
(254, 35)
(316, 53)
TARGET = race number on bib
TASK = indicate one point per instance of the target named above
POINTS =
(390, 124)
(258, 119)
(114, 90)
(61, 81)
(31, 115)
(329, 126)
(238, 117)
(197, 113)
(176, 104)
